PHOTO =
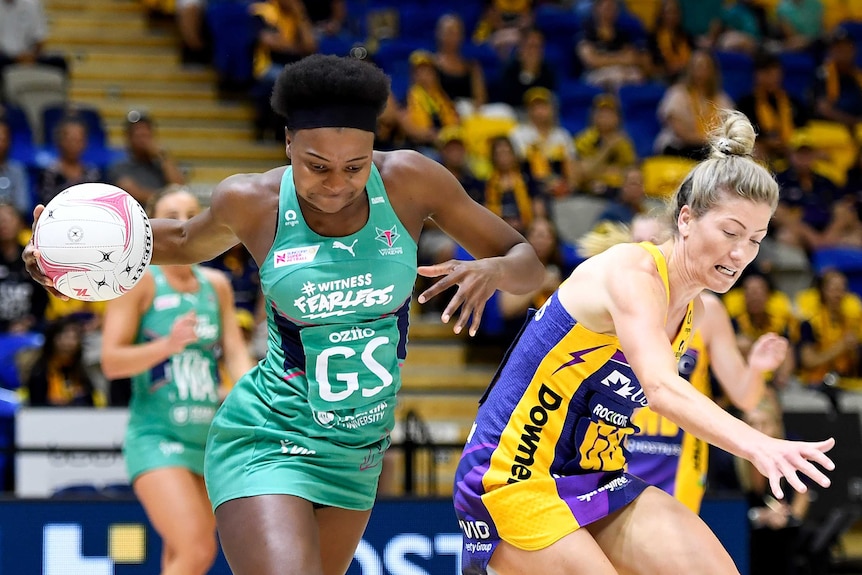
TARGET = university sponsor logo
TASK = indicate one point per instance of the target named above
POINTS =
(389, 237)
(623, 386)
(549, 400)
(329, 419)
(293, 256)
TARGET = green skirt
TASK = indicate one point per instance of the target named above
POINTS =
(266, 443)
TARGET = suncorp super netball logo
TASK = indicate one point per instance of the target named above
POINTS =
(127, 544)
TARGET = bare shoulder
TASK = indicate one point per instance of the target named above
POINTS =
(416, 185)
(245, 202)
(711, 302)
(216, 277)
(620, 260)
(406, 171)
(246, 187)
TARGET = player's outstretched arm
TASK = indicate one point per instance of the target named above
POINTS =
(638, 306)
(741, 380)
(504, 260)
(208, 234)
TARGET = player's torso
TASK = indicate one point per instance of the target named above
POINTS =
(338, 314)
(183, 389)
(571, 394)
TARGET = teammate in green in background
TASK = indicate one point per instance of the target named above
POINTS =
(164, 334)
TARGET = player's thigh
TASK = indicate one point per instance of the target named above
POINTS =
(262, 535)
(176, 503)
(575, 554)
(658, 534)
(340, 532)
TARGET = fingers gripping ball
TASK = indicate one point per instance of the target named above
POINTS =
(95, 242)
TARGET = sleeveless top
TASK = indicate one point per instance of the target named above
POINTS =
(179, 396)
(338, 315)
(561, 403)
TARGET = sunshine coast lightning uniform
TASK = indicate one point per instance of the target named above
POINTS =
(664, 455)
(174, 402)
(313, 418)
(546, 454)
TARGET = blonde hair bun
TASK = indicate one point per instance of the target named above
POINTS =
(733, 136)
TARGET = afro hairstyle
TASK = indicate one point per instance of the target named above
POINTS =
(325, 80)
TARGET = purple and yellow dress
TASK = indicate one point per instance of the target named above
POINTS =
(547, 453)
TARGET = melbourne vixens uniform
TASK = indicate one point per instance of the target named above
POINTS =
(546, 454)
(313, 418)
(174, 402)
(664, 455)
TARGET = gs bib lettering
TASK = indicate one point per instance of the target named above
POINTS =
(349, 367)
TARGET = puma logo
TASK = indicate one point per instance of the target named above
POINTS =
(341, 246)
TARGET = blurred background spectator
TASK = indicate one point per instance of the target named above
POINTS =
(462, 79)
(147, 167)
(22, 301)
(14, 181)
(545, 147)
(689, 106)
(69, 169)
(23, 31)
(608, 54)
(58, 377)
(604, 150)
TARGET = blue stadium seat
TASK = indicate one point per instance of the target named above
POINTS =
(10, 345)
(639, 105)
(846, 260)
(854, 30)
(559, 25)
(575, 100)
(22, 148)
(392, 55)
(800, 71)
(418, 23)
(559, 59)
(335, 45)
(233, 33)
(737, 73)
(91, 116)
(399, 84)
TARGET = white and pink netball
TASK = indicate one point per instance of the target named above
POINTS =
(95, 241)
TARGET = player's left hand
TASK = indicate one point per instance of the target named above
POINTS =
(477, 281)
(768, 352)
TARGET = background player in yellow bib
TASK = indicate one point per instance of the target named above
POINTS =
(541, 486)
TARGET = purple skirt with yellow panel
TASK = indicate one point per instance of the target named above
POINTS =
(531, 514)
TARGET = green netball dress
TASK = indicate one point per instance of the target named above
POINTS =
(314, 417)
(174, 402)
